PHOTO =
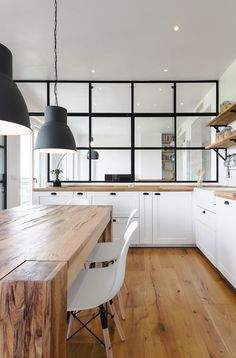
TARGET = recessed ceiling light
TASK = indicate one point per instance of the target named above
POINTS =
(176, 28)
(93, 71)
(181, 103)
(166, 70)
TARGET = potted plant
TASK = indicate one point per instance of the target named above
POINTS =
(56, 172)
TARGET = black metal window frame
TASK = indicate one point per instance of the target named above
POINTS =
(3, 182)
(132, 115)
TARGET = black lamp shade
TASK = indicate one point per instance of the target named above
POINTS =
(14, 116)
(55, 136)
(94, 155)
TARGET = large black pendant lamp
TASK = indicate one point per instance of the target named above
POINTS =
(55, 136)
(14, 117)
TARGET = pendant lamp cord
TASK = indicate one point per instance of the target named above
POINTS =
(55, 52)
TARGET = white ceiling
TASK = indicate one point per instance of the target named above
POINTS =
(120, 39)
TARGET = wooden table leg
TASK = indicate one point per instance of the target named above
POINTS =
(33, 311)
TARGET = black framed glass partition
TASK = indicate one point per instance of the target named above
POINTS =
(139, 131)
(3, 168)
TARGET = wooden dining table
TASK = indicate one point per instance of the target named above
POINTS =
(42, 250)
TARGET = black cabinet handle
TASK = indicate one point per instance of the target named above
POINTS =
(157, 194)
(203, 211)
(112, 193)
(114, 220)
(80, 193)
(226, 202)
(145, 193)
(53, 193)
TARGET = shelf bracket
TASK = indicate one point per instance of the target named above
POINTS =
(220, 155)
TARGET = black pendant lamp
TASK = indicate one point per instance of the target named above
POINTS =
(14, 116)
(55, 136)
(94, 154)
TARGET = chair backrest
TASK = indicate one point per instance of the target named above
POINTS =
(131, 216)
(120, 264)
(78, 201)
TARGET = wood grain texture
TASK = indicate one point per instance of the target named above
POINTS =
(33, 311)
(224, 118)
(231, 195)
(177, 306)
(42, 248)
(149, 187)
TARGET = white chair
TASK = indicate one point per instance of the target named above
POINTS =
(96, 287)
(108, 252)
(78, 201)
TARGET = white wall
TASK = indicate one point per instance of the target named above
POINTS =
(13, 171)
(227, 86)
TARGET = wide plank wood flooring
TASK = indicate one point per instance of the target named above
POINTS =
(178, 306)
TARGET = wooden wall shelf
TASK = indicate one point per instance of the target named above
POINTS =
(230, 141)
(224, 118)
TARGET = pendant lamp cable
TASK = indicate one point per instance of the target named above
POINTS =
(55, 52)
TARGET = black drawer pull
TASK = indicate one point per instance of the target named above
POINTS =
(53, 193)
(80, 193)
(203, 211)
(226, 202)
(114, 220)
(112, 193)
(145, 193)
(157, 194)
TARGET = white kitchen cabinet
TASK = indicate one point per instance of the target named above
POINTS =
(226, 238)
(205, 232)
(52, 198)
(172, 218)
(123, 202)
(118, 229)
(146, 214)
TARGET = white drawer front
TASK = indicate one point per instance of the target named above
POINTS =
(206, 217)
(123, 203)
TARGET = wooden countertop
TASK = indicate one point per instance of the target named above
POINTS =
(48, 233)
(231, 195)
(118, 188)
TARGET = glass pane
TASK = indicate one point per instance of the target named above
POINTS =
(190, 161)
(154, 165)
(153, 97)
(73, 96)
(35, 95)
(111, 132)
(2, 140)
(196, 97)
(2, 196)
(111, 97)
(2, 163)
(154, 132)
(26, 169)
(193, 132)
(112, 165)
(39, 164)
(75, 166)
(80, 129)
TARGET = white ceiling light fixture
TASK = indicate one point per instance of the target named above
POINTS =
(93, 71)
(176, 28)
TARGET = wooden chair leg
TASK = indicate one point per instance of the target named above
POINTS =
(126, 287)
(106, 336)
(121, 304)
(117, 321)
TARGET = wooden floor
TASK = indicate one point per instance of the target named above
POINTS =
(177, 306)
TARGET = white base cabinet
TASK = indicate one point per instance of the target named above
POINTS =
(226, 238)
(146, 218)
(205, 231)
(172, 218)
(52, 198)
